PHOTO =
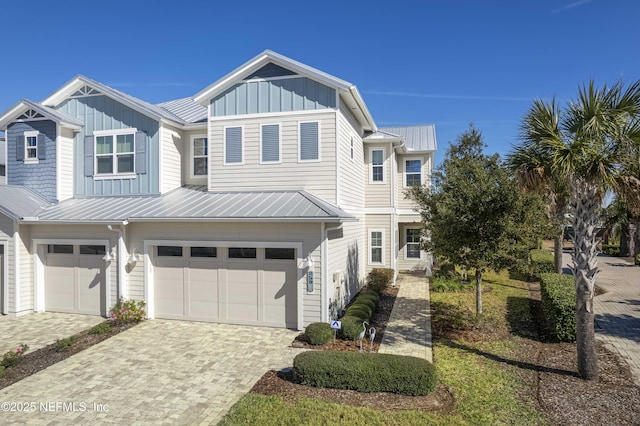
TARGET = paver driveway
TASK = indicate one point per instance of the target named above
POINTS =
(159, 372)
(41, 329)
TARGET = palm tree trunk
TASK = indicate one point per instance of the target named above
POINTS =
(478, 292)
(557, 250)
(585, 205)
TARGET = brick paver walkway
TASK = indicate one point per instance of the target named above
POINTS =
(409, 329)
(157, 373)
(618, 310)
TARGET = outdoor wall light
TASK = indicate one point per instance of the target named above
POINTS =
(109, 256)
(133, 258)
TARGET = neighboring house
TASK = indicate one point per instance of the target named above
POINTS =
(265, 199)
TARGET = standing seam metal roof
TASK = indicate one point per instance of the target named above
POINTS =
(416, 138)
(187, 109)
(18, 202)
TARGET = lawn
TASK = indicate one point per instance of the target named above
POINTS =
(475, 359)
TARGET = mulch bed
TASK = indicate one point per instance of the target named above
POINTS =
(32, 362)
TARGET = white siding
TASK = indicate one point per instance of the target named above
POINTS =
(171, 151)
(66, 164)
(378, 194)
(6, 234)
(405, 264)
(352, 170)
(316, 177)
(382, 222)
(405, 203)
(25, 295)
(187, 159)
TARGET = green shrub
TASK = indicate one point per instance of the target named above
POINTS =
(379, 279)
(101, 328)
(367, 301)
(11, 358)
(637, 259)
(542, 262)
(441, 285)
(365, 372)
(447, 270)
(318, 333)
(351, 328)
(361, 307)
(66, 343)
(559, 305)
(369, 295)
(611, 249)
(128, 311)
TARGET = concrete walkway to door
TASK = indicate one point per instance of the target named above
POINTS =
(41, 329)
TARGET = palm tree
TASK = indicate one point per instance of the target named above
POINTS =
(594, 144)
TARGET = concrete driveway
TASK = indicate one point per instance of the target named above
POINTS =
(159, 372)
(41, 329)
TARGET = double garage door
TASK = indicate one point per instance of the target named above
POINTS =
(237, 285)
(75, 279)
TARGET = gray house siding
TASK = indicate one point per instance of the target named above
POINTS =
(258, 97)
(39, 176)
(103, 113)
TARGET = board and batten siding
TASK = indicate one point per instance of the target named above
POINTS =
(172, 153)
(316, 177)
(269, 96)
(383, 222)
(405, 203)
(378, 194)
(352, 170)
(41, 174)
(65, 169)
(103, 113)
(347, 256)
(6, 235)
(306, 233)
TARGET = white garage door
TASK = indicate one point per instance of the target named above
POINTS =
(1, 278)
(238, 285)
(75, 279)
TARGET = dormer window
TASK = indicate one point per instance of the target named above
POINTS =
(114, 153)
(31, 146)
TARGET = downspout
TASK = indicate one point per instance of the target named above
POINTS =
(324, 317)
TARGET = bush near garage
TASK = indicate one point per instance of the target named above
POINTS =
(379, 279)
(365, 372)
(358, 312)
(318, 333)
(559, 305)
(127, 311)
(542, 262)
(351, 328)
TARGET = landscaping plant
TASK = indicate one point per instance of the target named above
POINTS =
(318, 333)
(379, 279)
(128, 311)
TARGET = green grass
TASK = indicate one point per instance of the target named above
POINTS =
(479, 374)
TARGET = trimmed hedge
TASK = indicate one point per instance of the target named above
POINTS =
(351, 327)
(379, 279)
(362, 309)
(318, 333)
(542, 262)
(611, 249)
(559, 305)
(365, 372)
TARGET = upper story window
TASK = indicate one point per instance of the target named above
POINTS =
(412, 172)
(115, 153)
(270, 143)
(377, 165)
(200, 154)
(412, 247)
(309, 141)
(233, 152)
(30, 147)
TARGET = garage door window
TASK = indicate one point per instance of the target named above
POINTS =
(280, 253)
(95, 250)
(242, 253)
(60, 248)
(174, 251)
(204, 252)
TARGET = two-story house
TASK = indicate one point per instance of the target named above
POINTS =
(264, 199)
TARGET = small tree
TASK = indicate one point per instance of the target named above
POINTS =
(470, 212)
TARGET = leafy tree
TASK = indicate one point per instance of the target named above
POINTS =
(471, 211)
(594, 143)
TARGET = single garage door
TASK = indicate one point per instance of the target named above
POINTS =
(75, 279)
(237, 285)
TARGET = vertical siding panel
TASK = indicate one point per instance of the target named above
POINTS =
(252, 97)
(274, 97)
(287, 95)
(264, 101)
(298, 94)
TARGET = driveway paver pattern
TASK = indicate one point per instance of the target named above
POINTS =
(408, 331)
(41, 329)
(159, 372)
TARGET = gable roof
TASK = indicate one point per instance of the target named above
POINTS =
(19, 202)
(143, 107)
(187, 109)
(348, 91)
(416, 138)
(59, 117)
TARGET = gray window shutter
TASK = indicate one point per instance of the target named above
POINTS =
(233, 145)
(42, 146)
(271, 142)
(141, 152)
(309, 146)
(20, 148)
(88, 156)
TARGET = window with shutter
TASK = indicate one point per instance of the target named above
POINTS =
(270, 143)
(115, 153)
(30, 146)
(309, 143)
(233, 145)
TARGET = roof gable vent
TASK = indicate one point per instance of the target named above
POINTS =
(30, 115)
(85, 91)
(269, 71)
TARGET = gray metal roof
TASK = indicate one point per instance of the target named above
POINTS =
(187, 109)
(18, 202)
(196, 204)
(59, 117)
(416, 138)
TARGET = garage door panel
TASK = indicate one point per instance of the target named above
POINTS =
(60, 283)
(203, 290)
(170, 292)
(279, 300)
(91, 274)
(242, 291)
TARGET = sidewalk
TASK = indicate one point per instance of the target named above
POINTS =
(618, 310)
(409, 329)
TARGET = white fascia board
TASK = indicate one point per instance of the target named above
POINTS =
(59, 95)
(12, 112)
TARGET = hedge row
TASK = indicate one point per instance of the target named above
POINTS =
(361, 310)
(318, 333)
(365, 372)
(559, 305)
(541, 262)
(379, 279)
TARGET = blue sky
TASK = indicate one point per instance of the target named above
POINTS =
(448, 62)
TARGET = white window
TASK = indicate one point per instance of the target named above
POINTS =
(233, 152)
(31, 146)
(412, 247)
(309, 141)
(270, 143)
(377, 165)
(115, 152)
(376, 247)
(412, 172)
(200, 155)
